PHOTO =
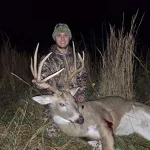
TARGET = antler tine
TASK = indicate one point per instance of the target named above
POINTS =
(75, 71)
(74, 55)
(69, 73)
(35, 61)
(41, 83)
(82, 58)
(51, 76)
(40, 67)
(67, 66)
(31, 66)
(37, 74)
(79, 69)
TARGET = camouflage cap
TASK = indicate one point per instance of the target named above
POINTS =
(61, 28)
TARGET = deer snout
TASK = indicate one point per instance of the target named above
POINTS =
(80, 120)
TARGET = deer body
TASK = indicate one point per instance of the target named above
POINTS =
(99, 119)
(103, 118)
(125, 117)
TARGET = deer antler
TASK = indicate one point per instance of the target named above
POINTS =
(76, 70)
(41, 83)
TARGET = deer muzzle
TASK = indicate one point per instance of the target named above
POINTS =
(80, 120)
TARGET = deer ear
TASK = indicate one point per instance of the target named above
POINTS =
(73, 91)
(44, 99)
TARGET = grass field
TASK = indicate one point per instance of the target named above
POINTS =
(22, 124)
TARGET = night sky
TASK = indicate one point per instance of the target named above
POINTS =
(29, 22)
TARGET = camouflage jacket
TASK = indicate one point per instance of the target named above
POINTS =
(56, 61)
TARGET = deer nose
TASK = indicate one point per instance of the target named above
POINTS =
(80, 120)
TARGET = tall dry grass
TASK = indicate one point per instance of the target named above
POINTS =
(12, 61)
(13, 90)
(142, 83)
(117, 67)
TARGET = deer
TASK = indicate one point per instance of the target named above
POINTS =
(98, 121)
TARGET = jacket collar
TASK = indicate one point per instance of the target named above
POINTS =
(57, 52)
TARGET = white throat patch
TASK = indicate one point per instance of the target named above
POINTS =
(60, 121)
(93, 132)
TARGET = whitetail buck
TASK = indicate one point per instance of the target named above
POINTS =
(97, 120)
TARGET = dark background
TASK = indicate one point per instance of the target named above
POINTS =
(29, 22)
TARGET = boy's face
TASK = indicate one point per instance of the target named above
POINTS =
(62, 40)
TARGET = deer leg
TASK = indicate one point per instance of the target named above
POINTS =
(106, 137)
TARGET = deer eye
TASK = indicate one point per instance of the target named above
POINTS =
(61, 104)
